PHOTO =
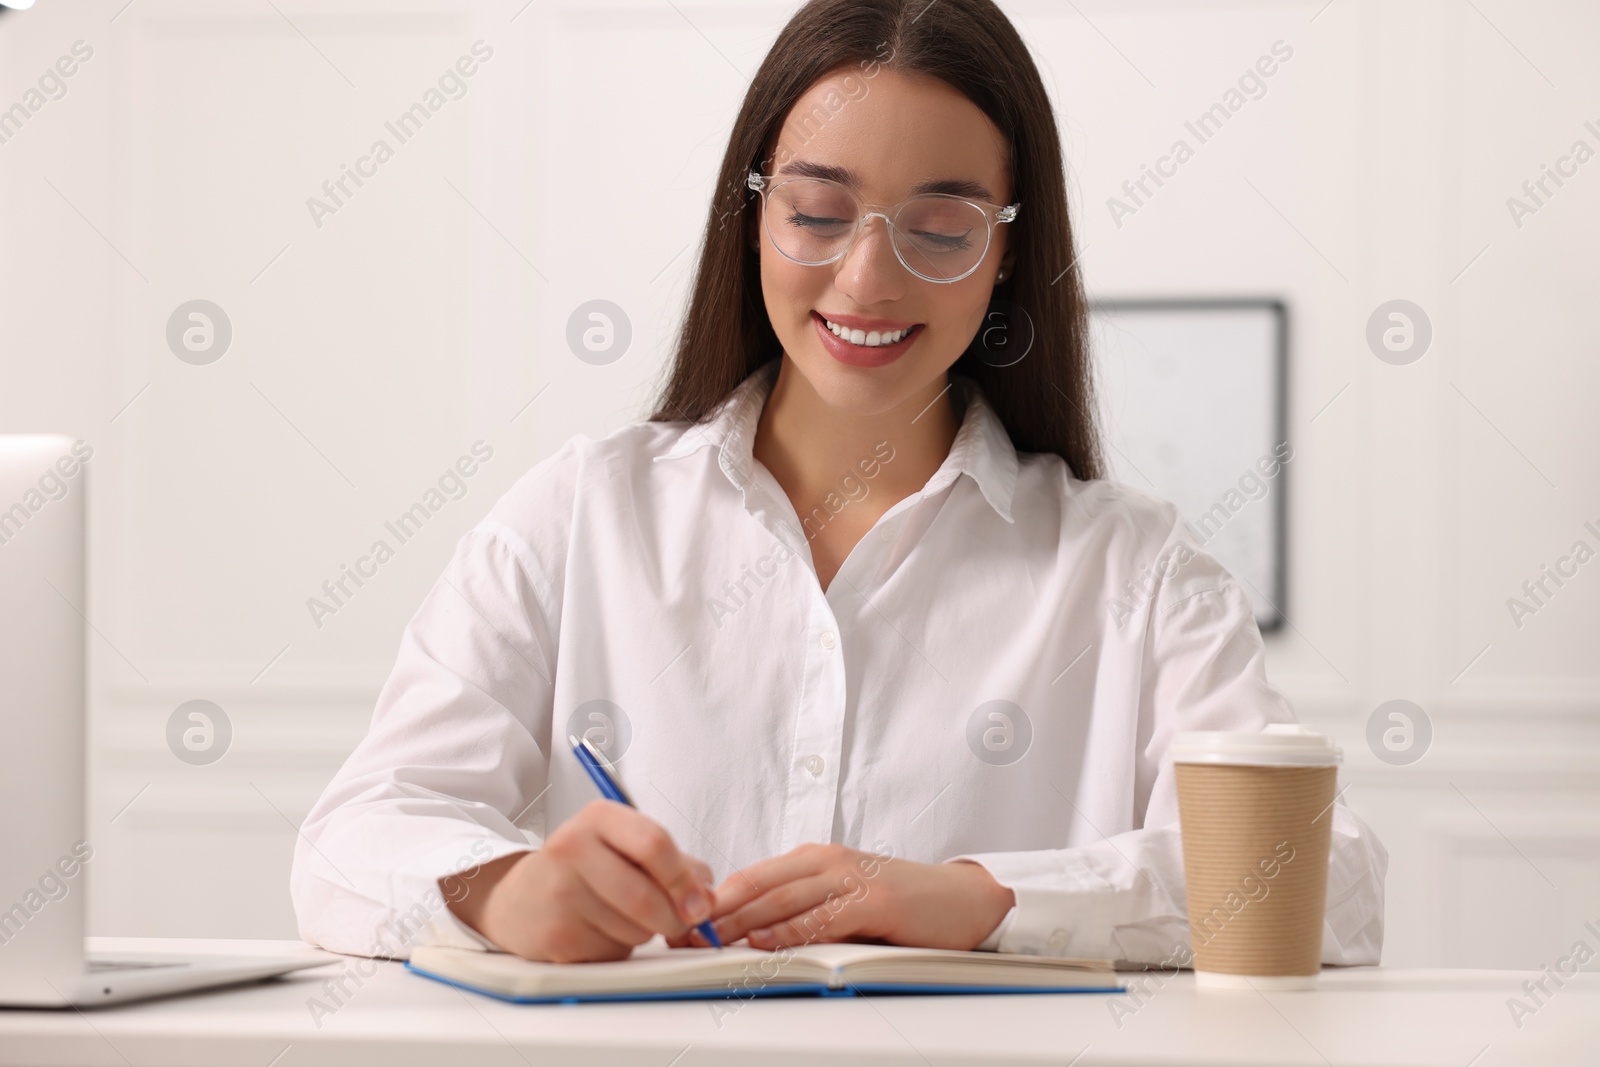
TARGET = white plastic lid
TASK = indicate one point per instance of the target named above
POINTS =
(1278, 744)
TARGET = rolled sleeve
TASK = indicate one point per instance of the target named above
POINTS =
(1123, 897)
(451, 773)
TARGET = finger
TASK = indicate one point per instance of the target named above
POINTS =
(646, 844)
(818, 926)
(579, 916)
(613, 924)
(690, 938)
(784, 902)
(743, 886)
(627, 891)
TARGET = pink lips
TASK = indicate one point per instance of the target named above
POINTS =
(858, 355)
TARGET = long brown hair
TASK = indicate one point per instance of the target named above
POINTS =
(1045, 399)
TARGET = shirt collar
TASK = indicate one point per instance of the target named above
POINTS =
(982, 449)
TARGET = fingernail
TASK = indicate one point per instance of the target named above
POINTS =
(696, 906)
(763, 934)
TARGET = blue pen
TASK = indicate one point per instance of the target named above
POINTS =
(605, 778)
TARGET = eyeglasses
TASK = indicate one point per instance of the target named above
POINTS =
(937, 237)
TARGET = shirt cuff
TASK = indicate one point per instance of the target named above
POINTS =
(1037, 924)
(447, 929)
(441, 926)
(992, 942)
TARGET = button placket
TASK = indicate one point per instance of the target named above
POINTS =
(866, 567)
(812, 787)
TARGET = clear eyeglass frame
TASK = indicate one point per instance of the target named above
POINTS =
(992, 214)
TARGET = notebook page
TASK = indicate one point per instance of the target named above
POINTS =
(893, 963)
(651, 968)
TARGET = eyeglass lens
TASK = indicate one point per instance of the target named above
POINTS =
(938, 237)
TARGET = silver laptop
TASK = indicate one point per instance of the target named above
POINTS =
(43, 837)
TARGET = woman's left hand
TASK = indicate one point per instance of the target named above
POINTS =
(818, 893)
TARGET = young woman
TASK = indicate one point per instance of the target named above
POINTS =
(878, 651)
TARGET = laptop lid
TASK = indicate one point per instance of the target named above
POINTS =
(42, 714)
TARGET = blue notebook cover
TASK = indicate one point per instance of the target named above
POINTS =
(805, 990)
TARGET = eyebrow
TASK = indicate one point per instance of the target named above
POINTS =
(804, 168)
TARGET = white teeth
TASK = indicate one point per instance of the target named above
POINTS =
(865, 338)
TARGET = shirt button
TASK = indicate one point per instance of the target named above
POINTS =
(828, 639)
(886, 533)
(814, 764)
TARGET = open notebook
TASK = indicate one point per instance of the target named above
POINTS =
(655, 972)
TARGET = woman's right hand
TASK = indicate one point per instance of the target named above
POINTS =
(607, 879)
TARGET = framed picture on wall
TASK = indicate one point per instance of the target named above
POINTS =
(1193, 397)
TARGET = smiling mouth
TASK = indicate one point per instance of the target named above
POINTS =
(868, 338)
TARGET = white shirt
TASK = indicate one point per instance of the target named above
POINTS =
(654, 588)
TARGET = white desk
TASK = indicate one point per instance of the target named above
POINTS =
(396, 1019)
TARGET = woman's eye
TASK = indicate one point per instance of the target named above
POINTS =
(798, 219)
(945, 243)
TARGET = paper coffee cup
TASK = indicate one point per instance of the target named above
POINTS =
(1256, 813)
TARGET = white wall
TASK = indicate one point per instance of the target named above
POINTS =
(371, 350)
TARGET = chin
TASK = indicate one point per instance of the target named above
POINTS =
(864, 391)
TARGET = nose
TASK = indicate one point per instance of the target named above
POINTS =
(870, 272)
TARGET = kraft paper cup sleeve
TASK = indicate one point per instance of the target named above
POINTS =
(1256, 818)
